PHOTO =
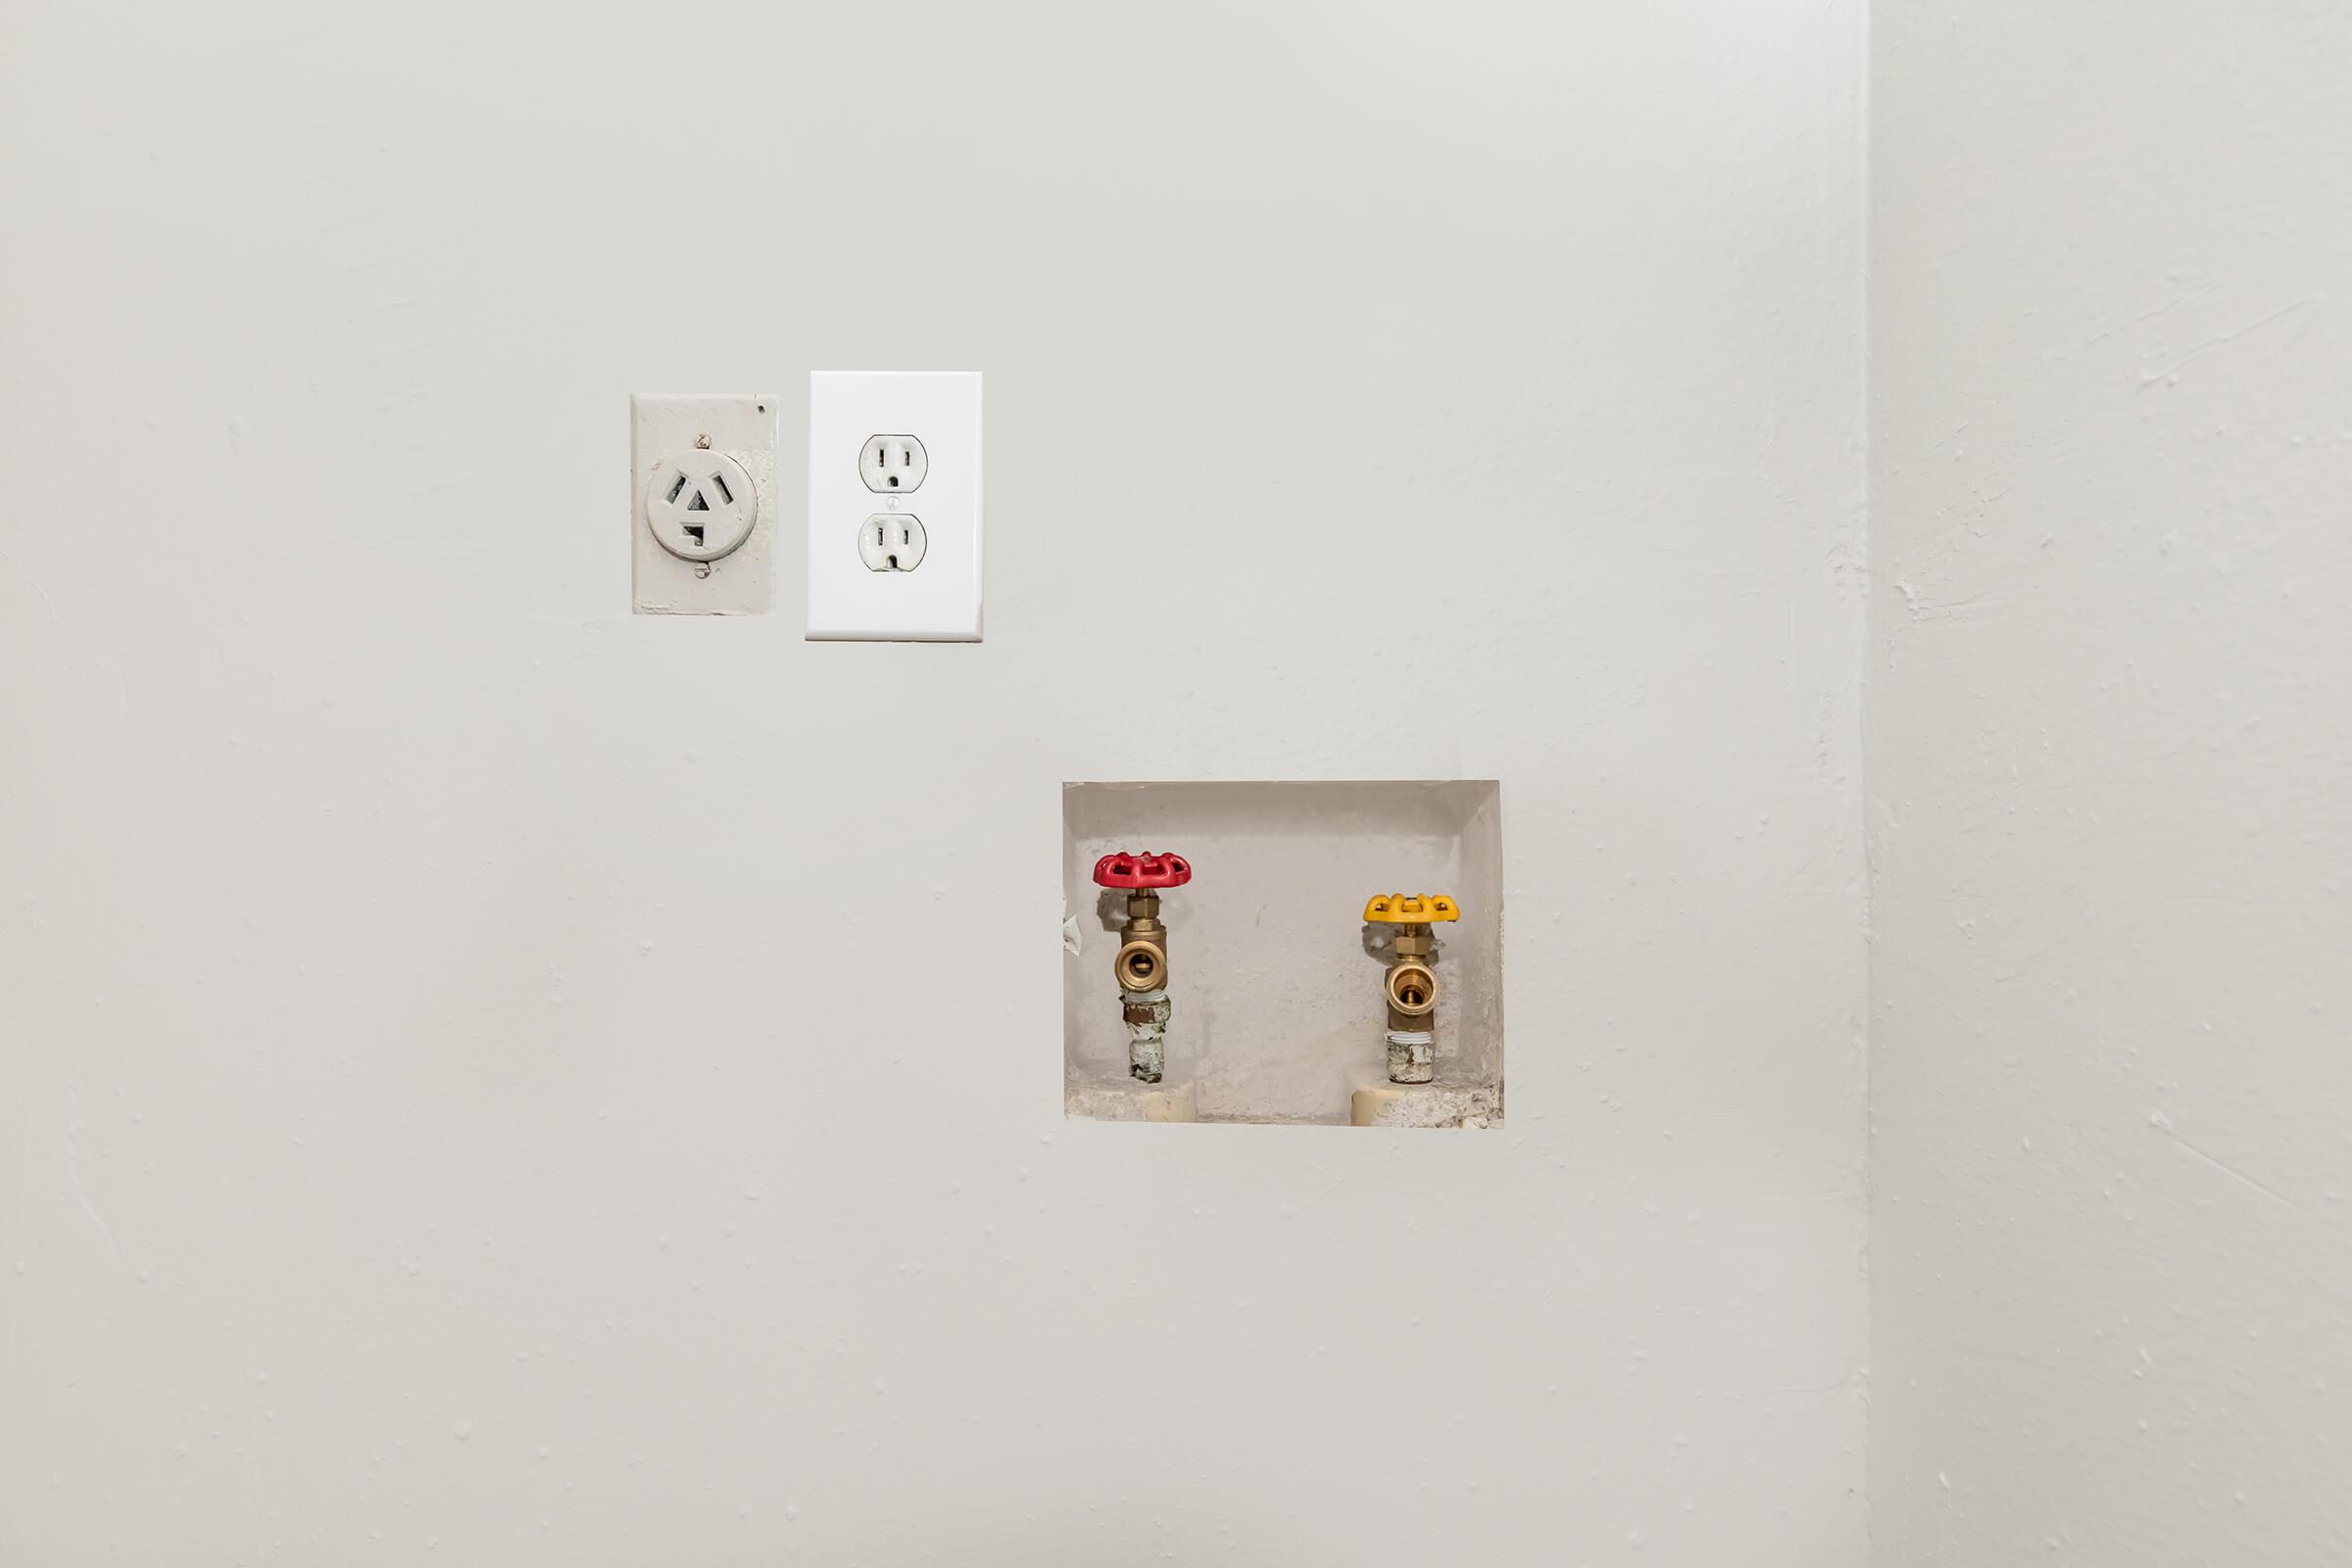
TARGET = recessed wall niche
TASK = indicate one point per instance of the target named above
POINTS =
(1280, 998)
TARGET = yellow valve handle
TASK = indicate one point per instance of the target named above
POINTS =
(1411, 909)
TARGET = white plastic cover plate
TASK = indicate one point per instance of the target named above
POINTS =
(922, 430)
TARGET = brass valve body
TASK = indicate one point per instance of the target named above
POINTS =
(1141, 964)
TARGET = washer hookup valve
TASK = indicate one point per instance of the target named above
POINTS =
(1412, 980)
(1142, 966)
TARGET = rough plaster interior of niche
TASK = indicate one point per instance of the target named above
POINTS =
(1277, 1013)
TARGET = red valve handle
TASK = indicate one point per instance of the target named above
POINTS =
(1143, 871)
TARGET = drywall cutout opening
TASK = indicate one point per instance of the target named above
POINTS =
(1272, 1002)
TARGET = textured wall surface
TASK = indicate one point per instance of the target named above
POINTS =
(482, 1071)
(2111, 784)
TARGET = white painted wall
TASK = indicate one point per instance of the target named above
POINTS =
(2110, 783)
(484, 1069)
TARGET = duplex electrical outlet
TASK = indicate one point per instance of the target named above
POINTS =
(702, 506)
(894, 506)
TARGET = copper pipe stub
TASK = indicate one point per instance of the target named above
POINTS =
(1146, 1013)
(1412, 1056)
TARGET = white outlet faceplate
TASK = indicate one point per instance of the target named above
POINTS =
(700, 543)
(922, 428)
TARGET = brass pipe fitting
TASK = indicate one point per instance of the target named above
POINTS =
(1143, 961)
(1143, 968)
(1410, 987)
(1412, 991)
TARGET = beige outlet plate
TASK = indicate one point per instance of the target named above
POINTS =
(673, 430)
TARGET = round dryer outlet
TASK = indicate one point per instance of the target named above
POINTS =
(701, 504)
